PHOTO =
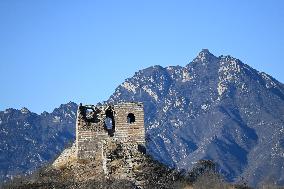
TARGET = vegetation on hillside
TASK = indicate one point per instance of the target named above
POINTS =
(151, 174)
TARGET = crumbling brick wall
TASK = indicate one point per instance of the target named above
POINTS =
(112, 135)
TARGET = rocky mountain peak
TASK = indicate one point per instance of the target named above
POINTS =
(25, 110)
(204, 56)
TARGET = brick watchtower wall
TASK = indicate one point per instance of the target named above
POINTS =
(125, 130)
(101, 130)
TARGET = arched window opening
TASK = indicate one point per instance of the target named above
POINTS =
(109, 122)
(130, 118)
(142, 148)
(89, 113)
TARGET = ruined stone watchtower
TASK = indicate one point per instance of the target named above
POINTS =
(110, 133)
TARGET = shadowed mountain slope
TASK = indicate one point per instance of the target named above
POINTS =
(29, 140)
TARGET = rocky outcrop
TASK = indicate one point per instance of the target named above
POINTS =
(66, 157)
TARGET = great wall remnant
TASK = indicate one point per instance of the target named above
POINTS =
(113, 136)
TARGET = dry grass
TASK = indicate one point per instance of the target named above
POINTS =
(270, 186)
(210, 181)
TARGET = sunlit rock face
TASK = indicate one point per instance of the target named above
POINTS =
(213, 108)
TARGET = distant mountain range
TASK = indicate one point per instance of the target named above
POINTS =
(29, 140)
(213, 108)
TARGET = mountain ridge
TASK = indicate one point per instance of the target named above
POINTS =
(30, 140)
(214, 108)
(204, 89)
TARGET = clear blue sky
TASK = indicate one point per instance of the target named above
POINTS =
(56, 51)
